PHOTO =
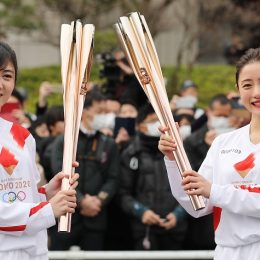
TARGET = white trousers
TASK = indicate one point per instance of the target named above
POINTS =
(247, 252)
(20, 255)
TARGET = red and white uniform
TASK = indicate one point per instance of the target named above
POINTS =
(24, 212)
(232, 165)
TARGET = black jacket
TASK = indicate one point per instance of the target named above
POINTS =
(98, 168)
(144, 184)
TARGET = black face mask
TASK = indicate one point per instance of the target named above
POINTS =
(126, 122)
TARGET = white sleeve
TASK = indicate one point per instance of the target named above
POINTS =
(19, 218)
(41, 217)
(180, 195)
(236, 200)
(206, 170)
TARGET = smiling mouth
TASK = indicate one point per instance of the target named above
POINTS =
(256, 103)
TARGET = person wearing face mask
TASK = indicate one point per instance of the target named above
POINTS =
(124, 129)
(198, 143)
(196, 146)
(184, 117)
(104, 122)
(157, 220)
(187, 98)
(104, 119)
(99, 169)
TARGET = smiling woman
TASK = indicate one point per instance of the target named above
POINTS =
(229, 181)
(25, 214)
(248, 83)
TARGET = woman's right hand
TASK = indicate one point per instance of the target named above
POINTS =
(63, 202)
(167, 144)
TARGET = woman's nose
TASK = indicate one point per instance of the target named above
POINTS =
(257, 91)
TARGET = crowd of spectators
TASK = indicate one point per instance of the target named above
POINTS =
(124, 198)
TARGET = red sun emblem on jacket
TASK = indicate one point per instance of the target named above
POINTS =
(7, 160)
(246, 165)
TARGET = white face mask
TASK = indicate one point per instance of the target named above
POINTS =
(219, 122)
(152, 129)
(186, 102)
(185, 131)
(104, 121)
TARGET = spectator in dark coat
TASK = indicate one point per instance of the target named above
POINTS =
(99, 169)
(158, 222)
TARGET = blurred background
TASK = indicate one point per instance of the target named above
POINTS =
(125, 202)
(194, 38)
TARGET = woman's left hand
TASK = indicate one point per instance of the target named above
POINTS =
(195, 184)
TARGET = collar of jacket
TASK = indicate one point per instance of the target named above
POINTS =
(86, 131)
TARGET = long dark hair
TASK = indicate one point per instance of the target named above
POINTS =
(251, 55)
(7, 54)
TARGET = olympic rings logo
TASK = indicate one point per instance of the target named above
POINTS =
(10, 197)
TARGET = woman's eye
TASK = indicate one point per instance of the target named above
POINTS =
(247, 86)
(8, 76)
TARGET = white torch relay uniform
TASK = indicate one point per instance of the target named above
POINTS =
(232, 165)
(25, 214)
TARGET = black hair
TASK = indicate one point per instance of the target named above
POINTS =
(53, 115)
(18, 95)
(221, 98)
(92, 96)
(187, 84)
(7, 54)
(144, 111)
(128, 102)
(39, 121)
(109, 96)
(180, 117)
(251, 55)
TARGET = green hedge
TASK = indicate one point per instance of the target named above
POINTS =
(211, 80)
(30, 79)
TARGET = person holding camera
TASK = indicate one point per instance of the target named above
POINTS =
(121, 82)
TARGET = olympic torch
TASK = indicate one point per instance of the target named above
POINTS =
(137, 43)
(76, 45)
